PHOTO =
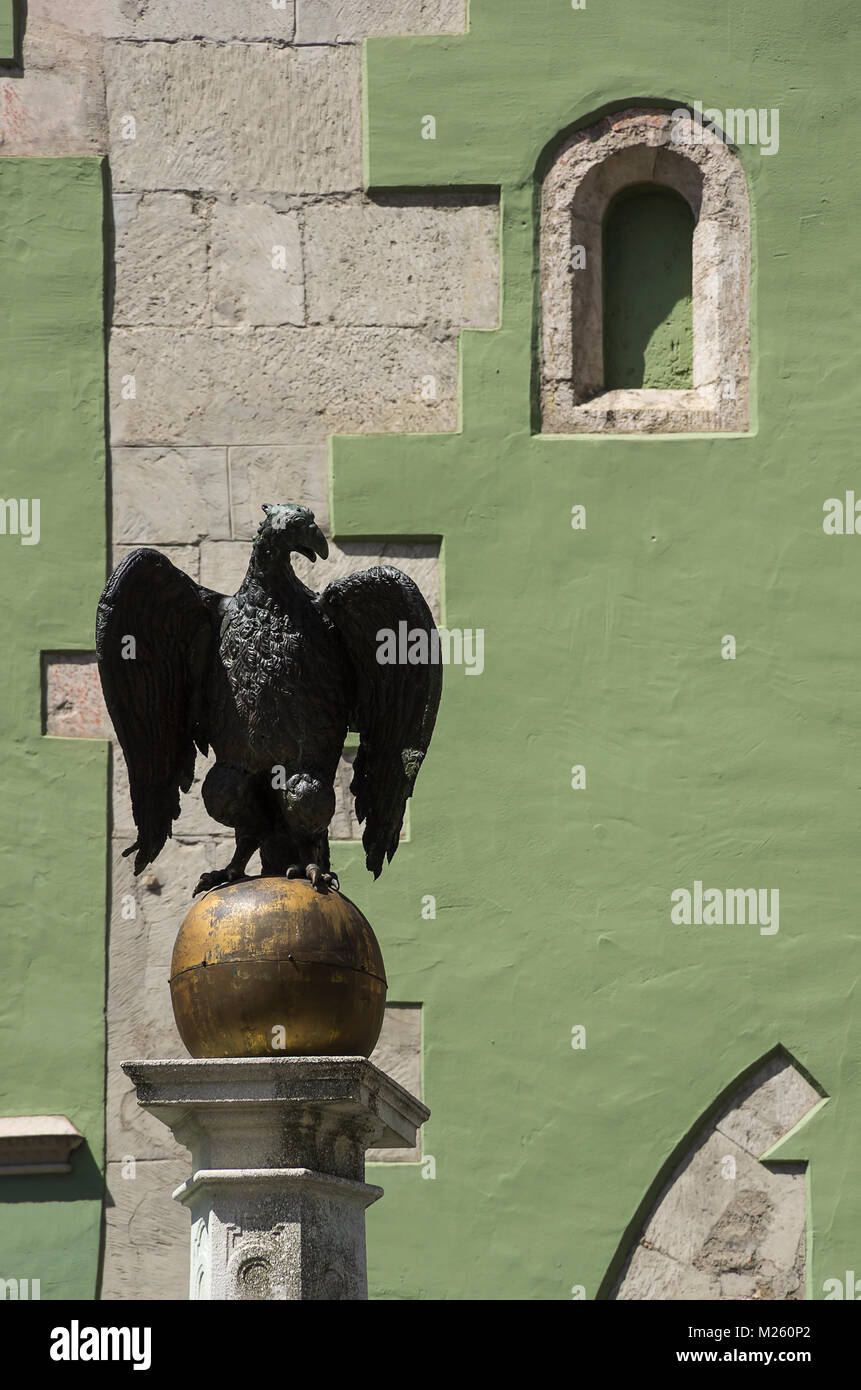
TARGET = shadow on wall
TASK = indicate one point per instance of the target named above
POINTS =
(648, 284)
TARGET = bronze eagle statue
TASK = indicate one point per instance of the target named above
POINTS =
(271, 680)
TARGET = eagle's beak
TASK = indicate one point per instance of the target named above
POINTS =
(318, 545)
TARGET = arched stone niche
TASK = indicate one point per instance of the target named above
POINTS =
(666, 149)
(725, 1223)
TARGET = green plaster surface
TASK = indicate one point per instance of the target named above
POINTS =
(647, 266)
(7, 30)
(52, 811)
(603, 648)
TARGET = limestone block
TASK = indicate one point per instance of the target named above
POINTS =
(277, 473)
(185, 557)
(198, 19)
(336, 21)
(344, 825)
(121, 814)
(765, 1113)
(239, 116)
(57, 34)
(37, 1145)
(140, 1015)
(420, 560)
(57, 107)
(256, 265)
(402, 265)
(738, 1242)
(724, 1217)
(194, 822)
(702, 1193)
(129, 1133)
(224, 386)
(163, 495)
(146, 1231)
(399, 1054)
(654, 1276)
(53, 114)
(160, 257)
(159, 898)
(223, 565)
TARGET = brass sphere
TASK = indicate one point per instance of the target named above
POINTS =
(272, 967)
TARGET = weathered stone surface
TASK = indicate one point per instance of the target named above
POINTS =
(160, 259)
(419, 559)
(334, 21)
(185, 557)
(196, 824)
(57, 107)
(224, 386)
(74, 704)
(139, 1012)
(701, 1194)
(165, 496)
(772, 1105)
(402, 265)
(724, 1224)
(277, 1201)
(57, 34)
(56, 114)
(399, 1054)
(621, 150)
(256, 268)
(344, 825)
(223, 564)
(146, 1232)
(204, 19)
(656, 1277)
(37, 1145)
(159, 897)
(193, 823)
(285, 473)
(235, 117)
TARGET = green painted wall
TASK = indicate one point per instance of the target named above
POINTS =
(603, 648)
(7, 31)
(53, 807)
(647, 267)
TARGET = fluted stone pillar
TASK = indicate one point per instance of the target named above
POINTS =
(277, 1194)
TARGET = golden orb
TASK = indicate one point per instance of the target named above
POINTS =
(272, 967)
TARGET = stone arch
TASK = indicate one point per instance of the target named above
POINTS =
(667, 150)
(724, 1224)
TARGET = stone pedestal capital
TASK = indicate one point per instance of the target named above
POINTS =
(277, 1195)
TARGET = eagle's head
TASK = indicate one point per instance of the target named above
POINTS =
(284, 529)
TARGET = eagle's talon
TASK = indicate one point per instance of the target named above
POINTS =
(216, 878)
(318, 878)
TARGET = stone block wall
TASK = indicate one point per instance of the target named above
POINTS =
(261, 302)
(258, 301)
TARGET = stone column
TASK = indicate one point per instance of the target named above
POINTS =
(277, 1194)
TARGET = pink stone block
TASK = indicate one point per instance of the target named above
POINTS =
(73, 701)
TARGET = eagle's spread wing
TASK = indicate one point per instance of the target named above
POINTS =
(154, 684)
(395, 706)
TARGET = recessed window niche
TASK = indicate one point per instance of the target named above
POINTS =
(645, 280)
